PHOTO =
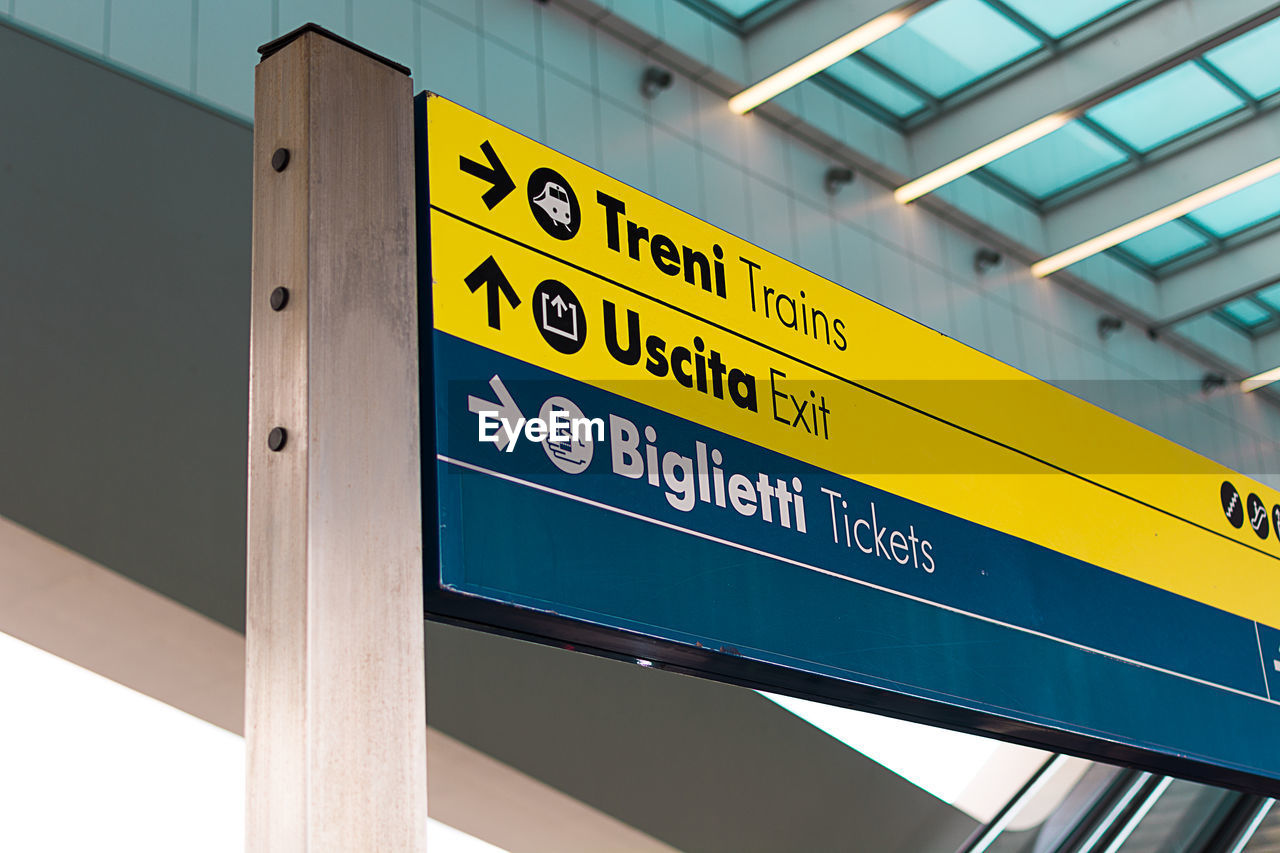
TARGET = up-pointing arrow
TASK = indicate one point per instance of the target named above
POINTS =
(495, 173)
(489, 273)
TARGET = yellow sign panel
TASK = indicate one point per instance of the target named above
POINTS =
(646, 301)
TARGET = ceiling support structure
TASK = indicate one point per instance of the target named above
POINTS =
(1134, 50)
(804, 28)
(1217, 281)
(1165, 182)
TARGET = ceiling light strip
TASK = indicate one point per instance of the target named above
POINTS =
(988, 153)
(822, 58)
(1156, 218)
(1253, 383)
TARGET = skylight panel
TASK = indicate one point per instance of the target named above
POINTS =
(1056, 161)
(895, 98)
(1251, 60)
(1166, 243)
(738, 8)
(1058, 18)
(1247, 313)
(1166, 107)
(1239, 210)
(1270, 296)
(952, 44)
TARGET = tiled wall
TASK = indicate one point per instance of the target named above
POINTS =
(556, 77)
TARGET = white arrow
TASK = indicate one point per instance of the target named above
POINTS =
(559, 305)
(506, 409)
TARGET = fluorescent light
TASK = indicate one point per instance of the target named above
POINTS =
(1143, 224)
(821, 59)
(988, 153)
(1253, 383)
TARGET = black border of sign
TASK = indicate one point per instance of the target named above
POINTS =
(454, 608)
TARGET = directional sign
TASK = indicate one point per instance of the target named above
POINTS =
(655, 439)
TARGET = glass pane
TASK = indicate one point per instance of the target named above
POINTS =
(951, 44)
(1241, 209)
(739, 8)
(1271, 296)
(888, 94)
(1165, 107)
(1163, 244)
(1246, 312)
(1178, 820)
(1058, 18)
(1065, 157)
(1250, 59)
(1267, 838)
(1046, 821)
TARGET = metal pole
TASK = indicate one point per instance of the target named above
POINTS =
(335, 704)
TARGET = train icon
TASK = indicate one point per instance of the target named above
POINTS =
(554, 201)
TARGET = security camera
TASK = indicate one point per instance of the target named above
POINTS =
(655, 80)
(837, 177)
(985, 260)
(1108, 326)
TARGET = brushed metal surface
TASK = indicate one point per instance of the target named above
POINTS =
(335, 694)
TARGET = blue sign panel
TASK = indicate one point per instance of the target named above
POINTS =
(673, 531)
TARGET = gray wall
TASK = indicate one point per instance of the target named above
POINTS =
(124, 319)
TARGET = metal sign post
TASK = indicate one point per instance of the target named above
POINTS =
(335, 703)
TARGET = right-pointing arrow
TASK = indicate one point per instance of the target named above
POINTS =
(495, 173)
(489, 273)
(505, 408)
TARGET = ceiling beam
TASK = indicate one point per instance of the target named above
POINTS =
(1219, 280)
(1205, 164)
(1148, 42)
(804, 28)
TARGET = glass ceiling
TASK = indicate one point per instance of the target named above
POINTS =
(739, 8)
(1166, 107)
(1213, 223)
(954, 45)
(1067, 156)
(1056, 19)
(1132, 124)
(1230, 79)
(1165, 243)
(1255, 313)
(1250, 60)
